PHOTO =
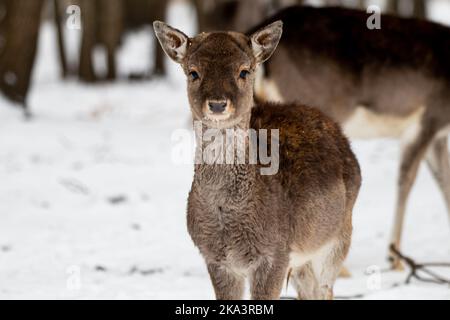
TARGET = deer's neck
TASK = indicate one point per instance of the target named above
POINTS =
(230, 175)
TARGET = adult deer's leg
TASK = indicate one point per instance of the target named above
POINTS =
(227, 285)
(305, 282)
(266, 281)
(413, 153)
(327, 265)
(315, 280)
(439, 164)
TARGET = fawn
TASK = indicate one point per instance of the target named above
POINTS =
(264, 227)
(392, 82)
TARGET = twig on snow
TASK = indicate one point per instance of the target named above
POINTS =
(416, 268)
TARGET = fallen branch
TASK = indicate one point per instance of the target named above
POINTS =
(416, 268)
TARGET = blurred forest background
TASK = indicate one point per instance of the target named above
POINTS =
(103, 25)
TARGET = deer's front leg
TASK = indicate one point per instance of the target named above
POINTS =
(227, 285)
(267, 279)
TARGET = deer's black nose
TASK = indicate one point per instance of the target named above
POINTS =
(217, 106)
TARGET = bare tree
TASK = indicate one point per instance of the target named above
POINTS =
(420, 9)
(140, 13)
(86, 67)
(102, 22)
(57, 7)
(110, 30)
(333, 2)
(393, 6)
(362, 4)
(106, 21)
(19, 31)
(235, 15)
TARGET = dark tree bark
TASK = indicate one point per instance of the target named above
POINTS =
(360, 4)
(420, 9)
(88, 40)
(280, 4)
(393, 7)
(333, 2)
(110, 30)
(60, 37)
(140, 13)
(19, 31)
(233, 14)
(217, 15)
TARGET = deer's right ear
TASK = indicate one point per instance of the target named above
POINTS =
(173, 41)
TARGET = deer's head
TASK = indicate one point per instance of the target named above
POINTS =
(220, 67)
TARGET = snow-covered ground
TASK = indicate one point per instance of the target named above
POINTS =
(92, 205)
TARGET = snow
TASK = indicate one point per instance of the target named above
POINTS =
(92, 205)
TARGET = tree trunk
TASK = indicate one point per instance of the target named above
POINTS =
(139, 13)
(19, 32)
(233, 14)
(110, 17)
(159, 68)
(60, 38)
(88, 39)
(420, 9)
(105, 22)
(362, 4)
(333, 2)
(393, 7)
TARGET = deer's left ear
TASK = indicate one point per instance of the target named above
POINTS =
(173, 41)
(265, 41)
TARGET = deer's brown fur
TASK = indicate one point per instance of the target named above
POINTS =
(254, 226)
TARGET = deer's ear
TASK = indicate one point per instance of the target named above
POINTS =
(173, 41)
(265, 41)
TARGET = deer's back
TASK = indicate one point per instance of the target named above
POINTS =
(318, 173)
(342, 35)
(313, 148)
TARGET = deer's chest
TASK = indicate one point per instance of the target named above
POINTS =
(227, 229)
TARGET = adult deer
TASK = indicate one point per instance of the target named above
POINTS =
(255, 226)
(393, 82)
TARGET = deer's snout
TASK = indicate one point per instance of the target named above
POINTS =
(217, 106)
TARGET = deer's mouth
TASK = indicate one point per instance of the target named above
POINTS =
(217, 117)
(222, 121)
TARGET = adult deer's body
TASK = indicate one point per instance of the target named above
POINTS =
(393, 82)
(249, 225)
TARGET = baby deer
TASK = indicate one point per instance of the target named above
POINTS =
(247, 224)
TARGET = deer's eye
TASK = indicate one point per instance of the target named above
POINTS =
(194, 75)
(244, 74)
